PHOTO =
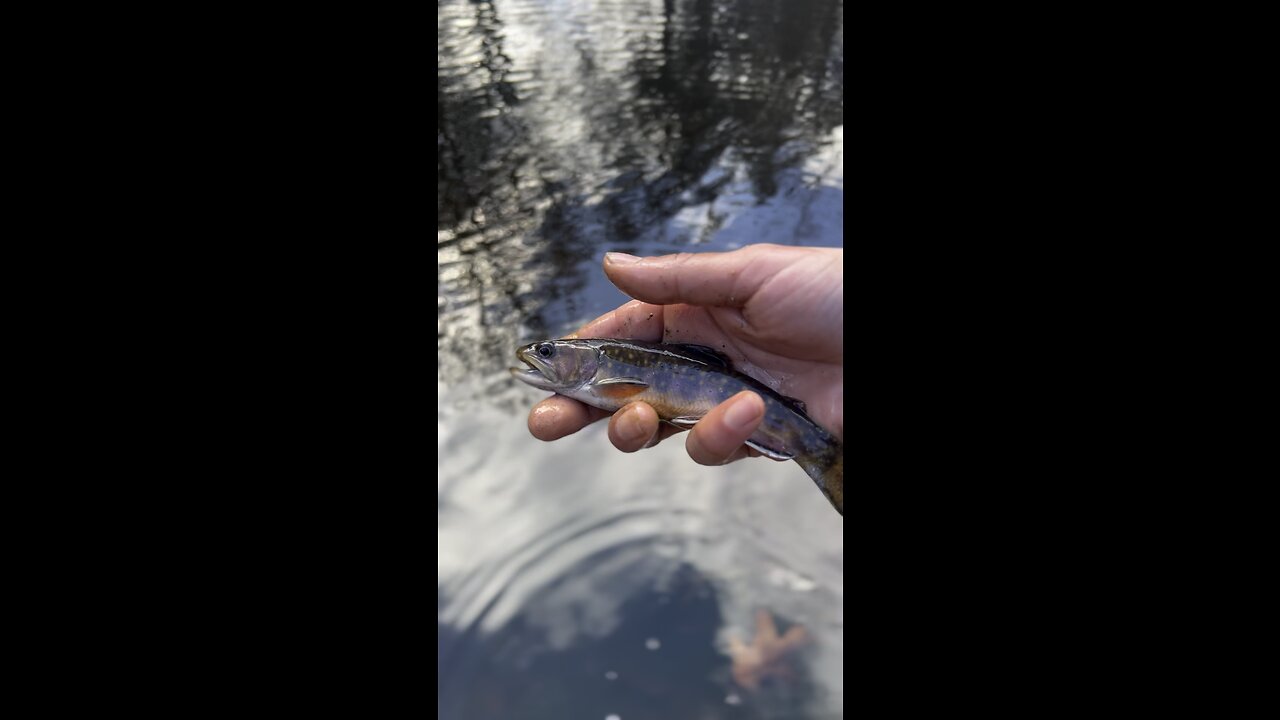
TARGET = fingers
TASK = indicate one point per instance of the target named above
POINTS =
(633, 427)
(636, 321)
(558, 416)
(715, 440)
(719, 436)
(720, 279)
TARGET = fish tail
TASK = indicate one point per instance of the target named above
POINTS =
(826, 467)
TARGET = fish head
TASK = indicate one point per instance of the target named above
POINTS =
(557, 365)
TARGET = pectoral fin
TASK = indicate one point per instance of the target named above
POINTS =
(620, 388)
(685, 421)
(769, 452)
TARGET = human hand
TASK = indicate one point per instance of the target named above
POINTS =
(776, 311)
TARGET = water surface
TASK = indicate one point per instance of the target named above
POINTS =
(574, 580)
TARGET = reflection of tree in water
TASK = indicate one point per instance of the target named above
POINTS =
(752, 75)
(488, 193)
(603, 135)
(477, 134)
(761, 77)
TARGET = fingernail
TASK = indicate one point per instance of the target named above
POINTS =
(742, 414)
(617, 258)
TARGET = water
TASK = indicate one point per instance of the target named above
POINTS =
(573, 580)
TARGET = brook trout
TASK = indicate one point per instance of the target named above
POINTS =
(682, 383)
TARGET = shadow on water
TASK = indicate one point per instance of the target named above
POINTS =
(568, 128)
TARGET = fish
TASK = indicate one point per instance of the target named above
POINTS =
(683, 382)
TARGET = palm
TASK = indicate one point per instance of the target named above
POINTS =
(775, 311)
(788, 335)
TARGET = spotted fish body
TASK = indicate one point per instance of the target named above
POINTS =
(683, 383)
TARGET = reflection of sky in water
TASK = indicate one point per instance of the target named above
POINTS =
(558, 538)
(567, 129)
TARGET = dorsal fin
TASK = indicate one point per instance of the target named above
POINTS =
(702, 353)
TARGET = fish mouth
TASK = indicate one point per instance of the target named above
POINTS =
(538, 373)
(527, 374)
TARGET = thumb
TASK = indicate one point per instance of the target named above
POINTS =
(720, 279)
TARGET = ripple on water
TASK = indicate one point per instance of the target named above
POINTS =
(567, 129)
(577, 560)
(561, 605)
(568, 549)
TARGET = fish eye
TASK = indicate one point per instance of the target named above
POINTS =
(546, 350)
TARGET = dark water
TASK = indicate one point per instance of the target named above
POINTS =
(567, 129)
